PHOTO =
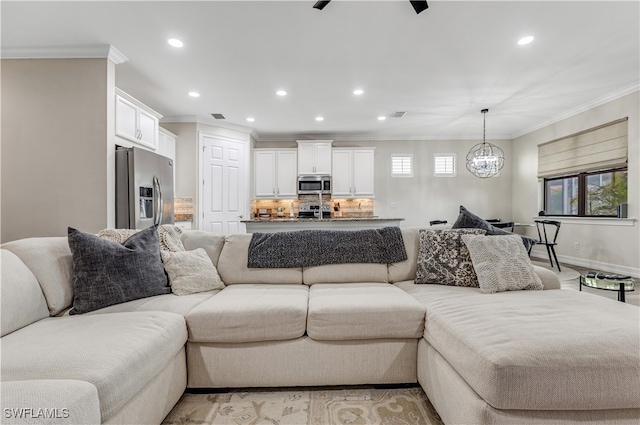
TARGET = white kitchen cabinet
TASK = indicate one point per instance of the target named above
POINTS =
(352, 173)
(166, 144)
(275, 172)
(135, 121)
(314, 156)
(167, 147)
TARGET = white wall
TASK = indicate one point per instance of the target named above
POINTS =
(424, 197)
(602, 245)
(57, 161)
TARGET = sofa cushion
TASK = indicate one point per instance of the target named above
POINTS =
(107, 273)
(22, 302)
(210, 242)
(444, 259)
(250, 312)
(170, 303)
(190, 271)
(501, 263)
(428, 293)
(49, 259)
(548, 350)
(119, 353)
(406, 270)
(345, 273)
(232, 265)
(54, 401)
(350, 311)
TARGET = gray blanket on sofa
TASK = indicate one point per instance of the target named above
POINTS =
(305, 248)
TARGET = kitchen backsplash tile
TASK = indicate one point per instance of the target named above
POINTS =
(183, 209)
(354, 208)
(347, 208)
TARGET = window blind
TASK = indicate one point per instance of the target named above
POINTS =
(401, 165)
(444, 164)
(598, 148)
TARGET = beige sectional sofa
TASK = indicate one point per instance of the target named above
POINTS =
(513, 357)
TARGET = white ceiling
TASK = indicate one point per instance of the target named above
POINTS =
(442, 66)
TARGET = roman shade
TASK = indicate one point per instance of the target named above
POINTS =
(598, 148)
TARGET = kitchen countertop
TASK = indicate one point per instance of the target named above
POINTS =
(313, 220)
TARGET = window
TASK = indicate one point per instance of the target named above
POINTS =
(589, 194)
(585, 174)
(444, 165)
(401, 165)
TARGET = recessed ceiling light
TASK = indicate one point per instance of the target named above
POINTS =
(194, 94)
(525, 40)
(250, 119)
(319, 118)
(281, 93)
(175, 42)
(381, 118)
(358, 92)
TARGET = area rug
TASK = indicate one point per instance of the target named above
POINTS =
(567, 274)
(348, 406)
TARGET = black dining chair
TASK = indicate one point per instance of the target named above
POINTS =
(434, 222)
(547, 228)
(506, 225)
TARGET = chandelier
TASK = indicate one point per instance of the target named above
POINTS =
(485, 160)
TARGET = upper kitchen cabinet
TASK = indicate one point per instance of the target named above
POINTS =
(353, 173)
(275, 172)
(314, 156)
(135, 121)
(166, 143)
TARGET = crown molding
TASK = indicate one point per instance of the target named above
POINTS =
(347, 137)
(580, 109)
(100, 51)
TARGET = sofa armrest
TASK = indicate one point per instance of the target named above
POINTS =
(51, 401)
(548, 278)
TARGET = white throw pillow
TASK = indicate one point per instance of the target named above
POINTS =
(501, 263)
(190, 272)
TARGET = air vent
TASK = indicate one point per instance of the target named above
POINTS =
(398, 114)
(218, 116)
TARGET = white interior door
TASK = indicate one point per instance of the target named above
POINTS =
(223, 185)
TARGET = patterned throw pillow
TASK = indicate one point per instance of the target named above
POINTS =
(191, 271)
(501, 263)
(444, 259)
(168, 235)
(107, 273)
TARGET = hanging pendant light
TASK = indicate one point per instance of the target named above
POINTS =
(485, 160)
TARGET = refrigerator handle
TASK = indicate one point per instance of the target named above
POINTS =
(159, 201)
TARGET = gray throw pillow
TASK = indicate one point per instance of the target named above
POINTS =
(501, 264)
(444, 259)
(107, 273)
(467, 220)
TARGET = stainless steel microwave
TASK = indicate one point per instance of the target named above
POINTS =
(314, 184)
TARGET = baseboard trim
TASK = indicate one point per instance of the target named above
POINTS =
(591, 264)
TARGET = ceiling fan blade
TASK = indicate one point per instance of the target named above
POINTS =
(418, 6)
(321, 4)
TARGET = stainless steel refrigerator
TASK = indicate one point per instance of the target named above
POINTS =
(144, 189)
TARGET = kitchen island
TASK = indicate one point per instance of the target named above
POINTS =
(272, 225)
